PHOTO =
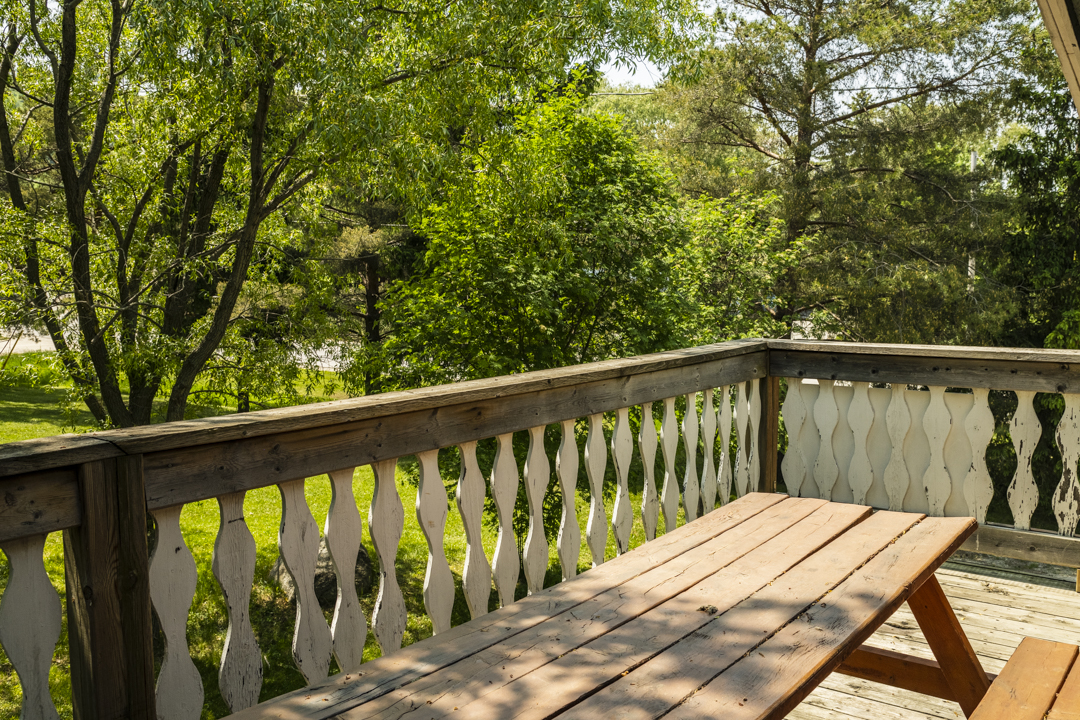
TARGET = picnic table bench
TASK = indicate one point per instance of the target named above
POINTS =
(740, 614)
(1041, 680)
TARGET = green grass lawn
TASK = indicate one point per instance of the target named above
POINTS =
(27, 412)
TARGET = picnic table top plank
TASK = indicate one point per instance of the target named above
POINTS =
(346, 690)
(1020, 693)
(488, 670)
(775, 677)
(512, 690)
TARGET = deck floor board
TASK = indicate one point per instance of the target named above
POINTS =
(996, 608)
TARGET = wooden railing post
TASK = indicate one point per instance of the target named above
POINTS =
(769, 431)
(108, 594)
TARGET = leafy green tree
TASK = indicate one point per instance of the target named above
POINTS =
(861, 115)
(160, 153)
(564, 243)
(1042, 169)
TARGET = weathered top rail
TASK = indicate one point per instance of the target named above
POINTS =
(998, 368)
(47, 453)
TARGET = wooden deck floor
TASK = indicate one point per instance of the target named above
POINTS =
(997, 607)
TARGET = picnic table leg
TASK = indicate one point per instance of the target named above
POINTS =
(950, 645)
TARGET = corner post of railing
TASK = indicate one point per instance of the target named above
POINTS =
(108, 594)
(768, 438)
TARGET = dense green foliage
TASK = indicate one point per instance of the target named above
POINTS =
(563, 242)
(1039, 253)
(862, 116)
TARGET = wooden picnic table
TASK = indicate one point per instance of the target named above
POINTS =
(740, 614)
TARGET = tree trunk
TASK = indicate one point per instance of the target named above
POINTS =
(372, 316)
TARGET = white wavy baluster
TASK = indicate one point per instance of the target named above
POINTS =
(793, 466)
(1026, 430)
(504, 489)
(386, 522)
(537, 479)
(650, 503)
(1067, 495)
(240, 673)
(742, 436)
(979, 424)
(669, 442)
(723, 475)
(860, 419)
(173, 577)
(471, 491)
(753, 423)
(30, 624)
(708, 440)
(432, 508)
(958, 455)
(898, 420)
(344, 532)
(566, 467)
(937, 482)
(298, 541)
(691, 482)
(595, 466)
(826, 415)
(622, 448)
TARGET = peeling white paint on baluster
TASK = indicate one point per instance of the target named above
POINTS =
(386, 522)
(916, 451)
(753, 392)
(723, 473)
(742, 437)
(432, 507)
(240, 673)
(937, 482)
(826, 416)
(504, 489)
(298, 541)
(30, 624)
(1066, 498)
(471, 491)
(344, 532)
(861, 419)
(708, 441)
(622, 448)
(957, 452)
(650, 503)
(898, 419)
(173, 577)
(979, 424)
(566, 467)
(690, 442)
(793, 467)
(1025, 430)
(595, 465)
(537, 479)
(669, 443)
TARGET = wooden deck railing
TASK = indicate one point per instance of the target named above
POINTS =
(850, 438)
(920, 444)
(99, 488)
